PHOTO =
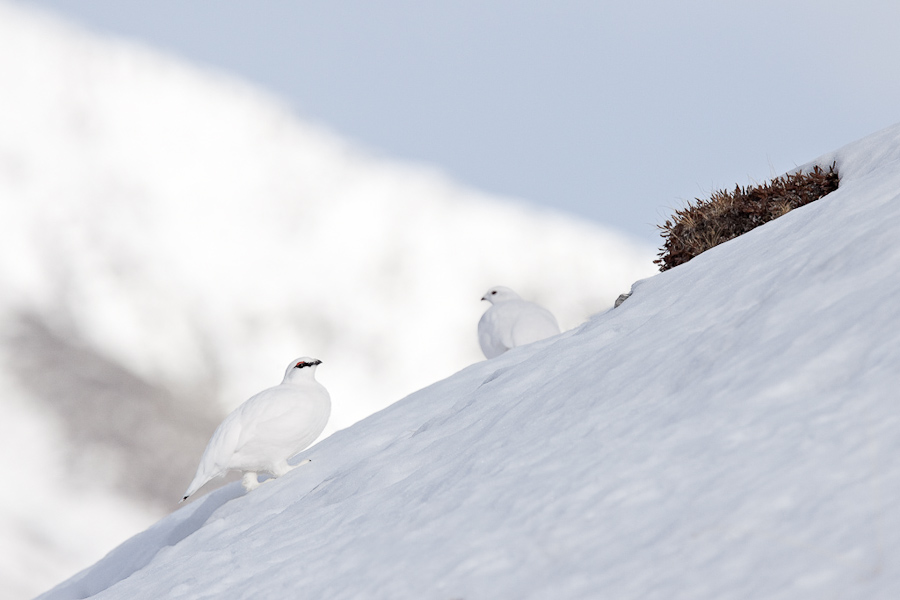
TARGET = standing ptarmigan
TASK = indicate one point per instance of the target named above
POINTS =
(511, 322)
(268, 429)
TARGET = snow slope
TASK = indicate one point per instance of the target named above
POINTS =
(170, 238)
(731, 431)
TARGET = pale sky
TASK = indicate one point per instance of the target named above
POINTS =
(614, 111)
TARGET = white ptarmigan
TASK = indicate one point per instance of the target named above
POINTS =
(261, 434)
(511, 322)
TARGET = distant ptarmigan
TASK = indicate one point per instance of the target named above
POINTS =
(511, 322)
(269, 428)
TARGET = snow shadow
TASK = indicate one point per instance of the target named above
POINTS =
(140, 550)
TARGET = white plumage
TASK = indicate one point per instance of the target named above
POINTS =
(511, 322)
(268, 429)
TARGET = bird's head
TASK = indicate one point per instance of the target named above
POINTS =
(304, 366)
(499, 293)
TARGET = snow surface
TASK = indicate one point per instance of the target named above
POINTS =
(731, 431)
(170, 237)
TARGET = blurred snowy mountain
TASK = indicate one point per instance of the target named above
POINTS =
(171, 236)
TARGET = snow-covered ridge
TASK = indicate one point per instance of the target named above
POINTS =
(170, 237)
(731, 431)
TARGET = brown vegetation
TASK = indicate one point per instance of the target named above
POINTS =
(726, 215)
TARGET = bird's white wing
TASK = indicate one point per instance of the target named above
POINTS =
(514, 323)
(266, 413)
(215, 460)
(278, 423)
(532, 323)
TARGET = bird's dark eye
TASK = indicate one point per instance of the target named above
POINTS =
(494, 292)
(300, 365)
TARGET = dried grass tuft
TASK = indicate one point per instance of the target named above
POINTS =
(726, 215)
